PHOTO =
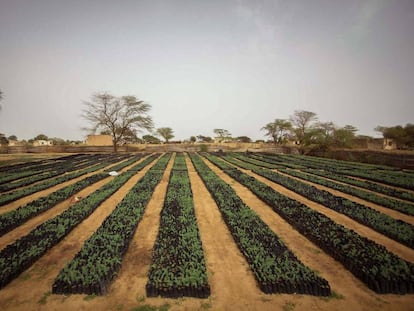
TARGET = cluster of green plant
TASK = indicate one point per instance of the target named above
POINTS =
(126, 163)
(178, 265)
(320, 171)
(99, 260)
(16, 172)
(14, 218)
(373, 264)
(20, 179)
(57, 169)
(19, 193)
(318, 162)
(255, 161)
(381, 174)
(372, 186)
(22, 253)
(275, 267)
(28, 163)
(271, 159)
(394, 228)
(395, 204)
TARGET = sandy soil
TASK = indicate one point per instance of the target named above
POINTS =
(15, 158)
(27, 199)
(232, 283)
(356, 295)
(390, 212)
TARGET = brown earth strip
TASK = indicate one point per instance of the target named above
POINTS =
(376, 182)
(132, 278)
(32, 284)
(356, 295)
(28, 226)
(231, 280)
(393, 246)
(390, 212)
(357, 187)
(27, 199)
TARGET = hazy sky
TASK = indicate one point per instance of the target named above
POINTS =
(232, 64)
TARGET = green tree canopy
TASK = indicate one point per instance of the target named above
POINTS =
(166, 133)
(3, 140)
(1, 97)
(244, 139)
(403, 135)
(204, 139)
(150, 139)
(222, 134)
(302, 122)
(41, 137)
(278, 130)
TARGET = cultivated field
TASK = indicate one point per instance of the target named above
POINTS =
(204, 231)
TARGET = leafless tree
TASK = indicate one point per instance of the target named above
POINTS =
(117, 115)
(1, 97)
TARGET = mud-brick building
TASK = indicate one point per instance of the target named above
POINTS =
(99, 140)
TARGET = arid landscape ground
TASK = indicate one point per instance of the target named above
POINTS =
(233, 286)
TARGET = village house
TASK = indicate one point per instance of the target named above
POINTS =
(42, 142)
(99, 140)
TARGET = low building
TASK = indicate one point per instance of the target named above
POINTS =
(13, 143)
(99, 140)
(42, 142)
(374, 143)
(389, 144)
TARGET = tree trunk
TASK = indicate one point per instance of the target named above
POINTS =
(115, 145)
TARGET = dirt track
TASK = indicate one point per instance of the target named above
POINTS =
(233, 286)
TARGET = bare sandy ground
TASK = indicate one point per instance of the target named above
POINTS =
(233, 286)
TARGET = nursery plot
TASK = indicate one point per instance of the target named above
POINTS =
(109, 253)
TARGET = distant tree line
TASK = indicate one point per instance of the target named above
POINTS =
(402, 135)
(304, 128)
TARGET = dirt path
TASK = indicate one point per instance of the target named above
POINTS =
(28, 226)
(390, 212)
(376, 182)
(393, 246)
(38, 279)
(357, 187)
(232, 283)
(27, 199)
(16, 158)
(356, 295)
(132, 277)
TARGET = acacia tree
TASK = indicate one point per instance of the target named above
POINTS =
(278, 130)
(244, 139)
(150, 139)
(41, 137)
(343, 137)
(204, 139)
(403, 135)
(166, 133)
(302, 122)
(117, 115)
(222, 134)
